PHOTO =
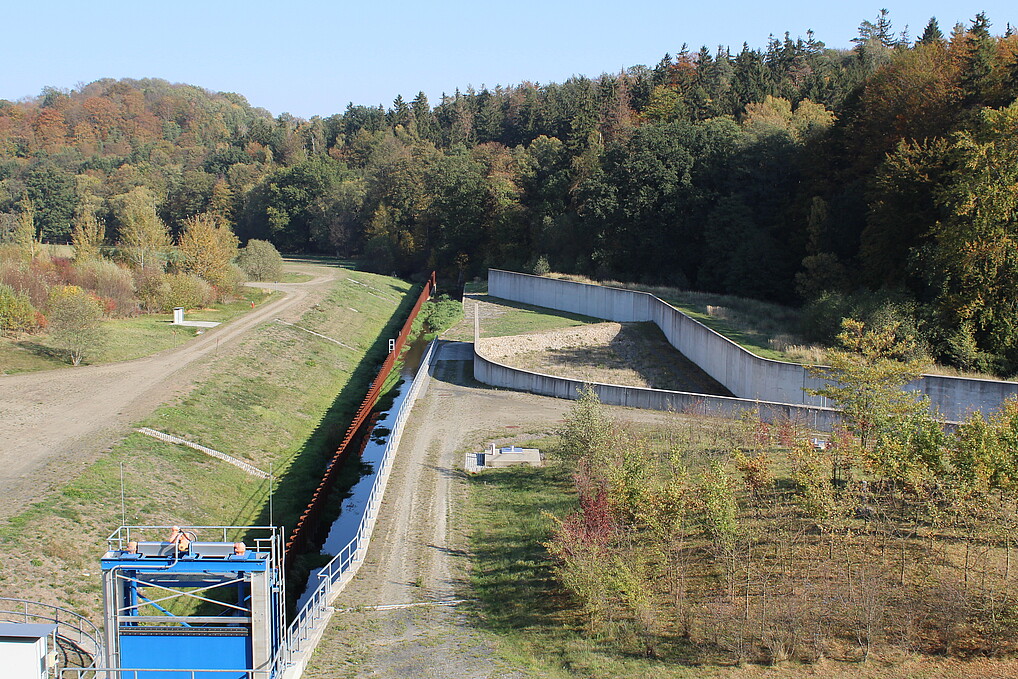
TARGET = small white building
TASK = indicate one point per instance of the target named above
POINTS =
(25, 650)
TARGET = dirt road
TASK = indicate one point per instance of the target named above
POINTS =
(54, 423)
(415, 554)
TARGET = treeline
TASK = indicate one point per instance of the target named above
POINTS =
(870, 182)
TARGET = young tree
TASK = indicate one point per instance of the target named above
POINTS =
(75, 322)
(17, 314)
(866, 378)
(588, 428)
(142, 233)
(87, 236)
(25, 232)
(208, 246)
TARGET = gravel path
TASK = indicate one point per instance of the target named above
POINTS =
(54, 423)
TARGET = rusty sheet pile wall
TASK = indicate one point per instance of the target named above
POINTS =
(305, 527)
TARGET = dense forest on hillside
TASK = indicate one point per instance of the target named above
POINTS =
(876, 182)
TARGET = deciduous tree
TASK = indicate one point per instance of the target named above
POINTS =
(75, 321)
(143, 235)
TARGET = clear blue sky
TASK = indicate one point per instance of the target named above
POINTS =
(312, 58)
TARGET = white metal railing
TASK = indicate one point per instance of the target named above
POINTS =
(344, 565)
(71, 627)
(144, 673)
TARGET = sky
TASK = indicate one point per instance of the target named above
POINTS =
(313, 58)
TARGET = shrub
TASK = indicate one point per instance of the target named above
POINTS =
(75, 319)
(261, 261)
(541, 266)
(17, 314)
(229, 285)
(207, 247)
(33, 279)
(442, 313)
(152, 288)
(186, 291)
(114, 284)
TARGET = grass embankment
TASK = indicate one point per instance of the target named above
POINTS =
(502, 318)
(270, 400)
(768, 330)
(128, 338)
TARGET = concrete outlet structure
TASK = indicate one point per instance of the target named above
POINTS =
(751, 378)
(500, 458)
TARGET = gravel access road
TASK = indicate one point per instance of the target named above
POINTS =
(416, 555)
(54, 423)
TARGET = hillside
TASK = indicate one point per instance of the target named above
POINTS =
(869, 182)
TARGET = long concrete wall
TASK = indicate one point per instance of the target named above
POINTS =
(496, 374)
(746, 375)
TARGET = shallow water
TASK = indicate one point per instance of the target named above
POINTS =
(344, 528)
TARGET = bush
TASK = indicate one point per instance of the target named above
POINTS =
(822, 317)
(541, 267)
(114, 284)
(75, 319)
(17, 315)
(229, 286)
(441, 314)
(261, 261)
(186, 291)
(152, 288)
(33, 279)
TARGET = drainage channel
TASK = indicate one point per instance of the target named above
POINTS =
(372, 446)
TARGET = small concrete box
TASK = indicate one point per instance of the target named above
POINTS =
(24, 650)
(500, 458)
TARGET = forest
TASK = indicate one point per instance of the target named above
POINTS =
(875, 182)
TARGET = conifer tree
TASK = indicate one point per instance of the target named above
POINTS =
(932, 34)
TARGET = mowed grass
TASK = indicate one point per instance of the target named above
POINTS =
(502, 318)
(279, 399)
(295, 277)
(761, 327)
(127, 338)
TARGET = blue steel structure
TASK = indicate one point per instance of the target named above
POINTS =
(170, 611)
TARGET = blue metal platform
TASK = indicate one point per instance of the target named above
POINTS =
(173, 608)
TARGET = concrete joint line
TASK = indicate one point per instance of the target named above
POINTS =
(170, 438)
(316, 334)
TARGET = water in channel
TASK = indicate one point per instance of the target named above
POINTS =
(344, 528)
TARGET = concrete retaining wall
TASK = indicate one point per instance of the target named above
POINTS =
(496, 374)
(744, 374)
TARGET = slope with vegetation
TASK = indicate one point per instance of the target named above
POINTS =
(100, 307)
(869, 182)
(279, 400)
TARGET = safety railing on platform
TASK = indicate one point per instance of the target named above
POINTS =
(154, 673)
(71, 627)
(347, 561)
